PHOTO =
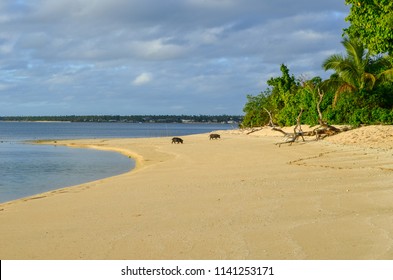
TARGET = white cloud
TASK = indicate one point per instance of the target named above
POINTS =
(142, 79)
(158, 49)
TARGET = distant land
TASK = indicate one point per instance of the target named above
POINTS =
(131, 118)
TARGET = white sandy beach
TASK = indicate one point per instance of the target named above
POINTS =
(241, 197)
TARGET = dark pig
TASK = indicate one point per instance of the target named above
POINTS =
(177, 140)
(214, 136)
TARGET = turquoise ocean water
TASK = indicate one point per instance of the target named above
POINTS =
(27, 169)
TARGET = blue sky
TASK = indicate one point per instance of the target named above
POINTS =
(130, 57)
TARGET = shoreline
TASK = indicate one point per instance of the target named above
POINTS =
(241, 197)
(75, 167)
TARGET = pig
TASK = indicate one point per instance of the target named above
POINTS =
(177, 140)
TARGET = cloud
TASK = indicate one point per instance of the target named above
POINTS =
(158, 49)
(212, 4)
(142, 79)
(205, 56)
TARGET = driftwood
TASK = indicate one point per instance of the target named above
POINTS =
(270, 124)
(290, 138)
(320, 132)
(254, 129)
(324, 129)
(270, 118)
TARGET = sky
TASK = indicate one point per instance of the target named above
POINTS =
(157, 57)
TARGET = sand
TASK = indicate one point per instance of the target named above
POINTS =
(241, 197)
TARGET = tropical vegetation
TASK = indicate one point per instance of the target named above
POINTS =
(360, 91)
(372, 22)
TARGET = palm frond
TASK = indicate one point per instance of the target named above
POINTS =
(356, 52)
(343, 88)
(346, 88)
(333, 62)
(386, 76)
(369, 80)
(355, 70)
(331, 84)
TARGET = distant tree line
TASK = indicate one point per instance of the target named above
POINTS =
(360, 91)
(131, 118)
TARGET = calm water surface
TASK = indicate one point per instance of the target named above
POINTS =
(27, 169)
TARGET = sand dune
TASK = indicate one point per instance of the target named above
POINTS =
(376, 136)
(241, 197)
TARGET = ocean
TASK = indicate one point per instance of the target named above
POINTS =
(27, 169)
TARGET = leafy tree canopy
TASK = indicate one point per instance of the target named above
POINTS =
(372, 22)
(283, 83)
(364, 85)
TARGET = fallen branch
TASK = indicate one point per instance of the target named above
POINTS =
(270, 118)
(254, 130)
(290, 138)
(322, 131)
(270, 124)
(324, 128)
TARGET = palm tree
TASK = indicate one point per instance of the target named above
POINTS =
(384, 66)
(351, 71)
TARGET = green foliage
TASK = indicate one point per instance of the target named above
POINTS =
(307, 96)
(351, 71)
(284, 100)
(287, 97)
(372, 22)
(255, 114)
(361, 108)
(282, 88)
(382, 116)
